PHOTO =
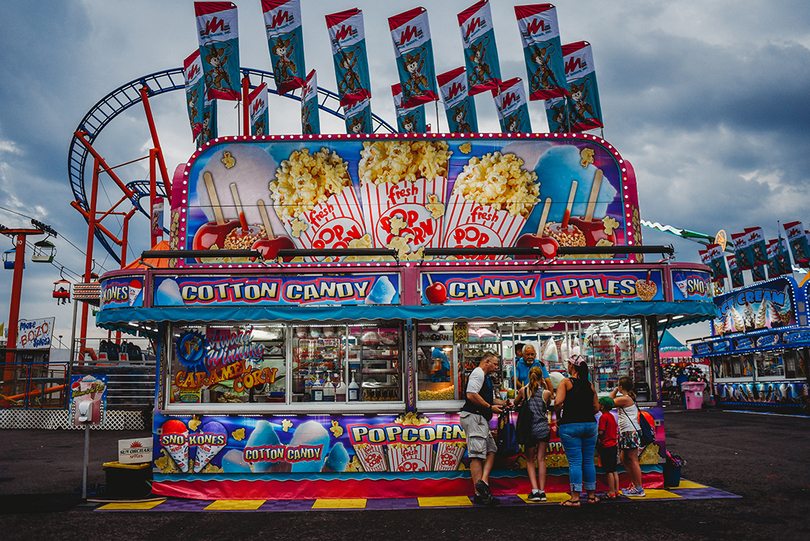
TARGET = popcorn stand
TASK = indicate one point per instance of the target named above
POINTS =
(327, 296)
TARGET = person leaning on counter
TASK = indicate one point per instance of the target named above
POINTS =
(526, 363)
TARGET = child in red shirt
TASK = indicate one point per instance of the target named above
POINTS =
(608, 446)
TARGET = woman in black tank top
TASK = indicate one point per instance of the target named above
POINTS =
(576, 404)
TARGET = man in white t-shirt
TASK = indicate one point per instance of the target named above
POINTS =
(474, 418)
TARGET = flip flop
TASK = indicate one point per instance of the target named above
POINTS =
(595, 499)
(570, 503)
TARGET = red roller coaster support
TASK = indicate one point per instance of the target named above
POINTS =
(167, 185)
(245, 105)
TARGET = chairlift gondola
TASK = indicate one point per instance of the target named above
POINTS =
(61, 291)
(8, 259)
(44, 251)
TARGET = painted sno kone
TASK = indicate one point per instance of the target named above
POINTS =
(406, 193)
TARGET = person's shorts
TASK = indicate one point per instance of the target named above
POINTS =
(536, 441)
(629, 440)
(479, 437)
(608, 458)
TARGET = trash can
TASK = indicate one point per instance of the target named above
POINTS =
(693, 394)
(128, 481)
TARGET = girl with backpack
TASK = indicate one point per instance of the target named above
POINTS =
(629, 434)
(538, 398)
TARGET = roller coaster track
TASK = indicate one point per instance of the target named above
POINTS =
(125, 96)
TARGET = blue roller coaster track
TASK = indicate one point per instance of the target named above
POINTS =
(125, 96)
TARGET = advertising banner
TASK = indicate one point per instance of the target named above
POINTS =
(716, 261)
(408, 120)
(195, 95)
(310, 112)
(348, 39)
(34, 333)
(734, 271)
(691, 285)
(755, 239)
(742, 251)
(581, 109)
(459, 105)
(406, 194)
(762, 306)
(285, 39)
(259, 112)
(774, 265)
(480, 52)
(758, 273)
(797, 240)
(413, 49)
(444, 288)
(88, 399)
(357, 117)
(513, 109)
(299, 290)
(542, 49)
(218, 36)
(122, 293)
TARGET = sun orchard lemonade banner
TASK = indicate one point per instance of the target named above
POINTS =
(443, 288)
(406, 194)
(277, 290)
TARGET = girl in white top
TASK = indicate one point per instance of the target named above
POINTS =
(629, 438)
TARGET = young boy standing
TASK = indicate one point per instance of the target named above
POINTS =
(608, 445)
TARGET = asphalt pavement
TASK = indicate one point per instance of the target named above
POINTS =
(762, 458)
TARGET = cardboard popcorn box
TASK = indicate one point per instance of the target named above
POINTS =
(409, 456)
(448, 455)
(468, 224)
(371, 457)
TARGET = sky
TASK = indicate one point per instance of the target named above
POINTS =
(707, 99)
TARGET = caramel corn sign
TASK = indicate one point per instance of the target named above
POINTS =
(541, 287)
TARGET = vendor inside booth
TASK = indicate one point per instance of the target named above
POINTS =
(337, 368)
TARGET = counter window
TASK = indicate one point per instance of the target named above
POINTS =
(769, 364)
(222, 364)
(375, 362)
(318, 364)
(437, 364)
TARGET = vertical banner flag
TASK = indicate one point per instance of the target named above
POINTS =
(734, 270)
(745, 258)
(218, 35)
(414, 52)
(717, 261)
(583, 104)
(348, 41)
(259, 113)
(285, 38)
(358, 117)
(758, 273)
(195, 94)
(310, 119)
(409, 120)
(784, 256)
(513, 109)
(774, 267)
(797, 240)
(458, 104)
(542, 50)
(755, 239)
(557, 115)
(480, 52)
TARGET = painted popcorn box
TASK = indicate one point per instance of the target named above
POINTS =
(316, 202)
(404, 190)
(448, 455)
(371, 457)
(491, 200)
(409, 456)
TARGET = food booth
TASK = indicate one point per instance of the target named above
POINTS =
(759, 347)
(327, 296)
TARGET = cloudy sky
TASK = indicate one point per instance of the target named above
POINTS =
(707, 99)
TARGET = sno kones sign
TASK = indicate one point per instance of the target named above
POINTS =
(405, 194)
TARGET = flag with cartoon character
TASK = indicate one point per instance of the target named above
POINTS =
(348, 39)
(734, 271)
(413, 49)
(218, 36)
(513, 109)
(259, 112)
(742, 251)
(310, 119)
(358, 117)
(459, 106)
(409, 120)
(285, 39)
(755, 239)
(480, 52)
(195, 93)
(584, 110)
(542, 49)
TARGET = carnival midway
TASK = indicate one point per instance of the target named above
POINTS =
(314, 307)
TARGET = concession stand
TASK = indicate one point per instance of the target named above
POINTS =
(758, 349)
(327, 296)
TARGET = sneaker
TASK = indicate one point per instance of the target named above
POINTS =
(633, 491)
(491, 501)
(478, 500)
(543, 496)
(535, 497)
(483, 489)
